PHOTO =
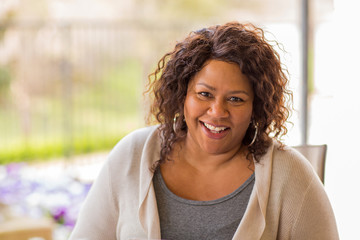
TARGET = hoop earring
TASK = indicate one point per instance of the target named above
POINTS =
(174, 121)
(255, 135)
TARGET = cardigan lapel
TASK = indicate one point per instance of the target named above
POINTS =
(148, 212)
(253, 223)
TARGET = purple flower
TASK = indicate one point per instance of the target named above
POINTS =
(58, 214)
(59, 198)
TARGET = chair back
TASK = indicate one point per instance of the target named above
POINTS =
(316, 154)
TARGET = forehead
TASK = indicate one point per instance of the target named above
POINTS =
(222, 75)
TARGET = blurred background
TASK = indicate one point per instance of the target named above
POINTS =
(72, 74)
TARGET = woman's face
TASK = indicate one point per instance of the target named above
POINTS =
(218, 108)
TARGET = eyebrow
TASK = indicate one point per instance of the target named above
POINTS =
(214, 89)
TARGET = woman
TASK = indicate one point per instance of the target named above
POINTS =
(214, 168)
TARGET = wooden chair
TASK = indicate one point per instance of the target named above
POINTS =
(316, 154)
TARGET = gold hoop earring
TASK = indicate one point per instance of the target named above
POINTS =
(174, 121)
(255, 135)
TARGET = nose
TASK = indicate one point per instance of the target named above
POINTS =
(218, 109)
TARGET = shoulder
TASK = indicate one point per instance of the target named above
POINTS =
(135, 140)
(291, 168)
(302, 191)
(291, 159)
(139, 146)
(283, 170)
(290, 186)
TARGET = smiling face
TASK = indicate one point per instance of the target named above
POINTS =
(218, 108)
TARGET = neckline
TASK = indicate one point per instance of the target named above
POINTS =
(172, 195)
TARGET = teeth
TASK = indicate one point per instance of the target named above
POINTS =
(214, 129)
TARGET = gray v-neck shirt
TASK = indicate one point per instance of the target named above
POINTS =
(182, 219)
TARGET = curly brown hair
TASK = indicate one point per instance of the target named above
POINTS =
(242, 44)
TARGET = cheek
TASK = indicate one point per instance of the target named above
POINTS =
(249, 115)
(244, 117)
(192, 108)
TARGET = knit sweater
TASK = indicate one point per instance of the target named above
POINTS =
(288, 200)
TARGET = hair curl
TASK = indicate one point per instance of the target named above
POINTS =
(242, 44)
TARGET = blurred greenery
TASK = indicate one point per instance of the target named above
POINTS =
(46, 151)
(100, 114)
(4, 84)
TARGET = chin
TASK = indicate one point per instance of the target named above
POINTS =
(215, 150)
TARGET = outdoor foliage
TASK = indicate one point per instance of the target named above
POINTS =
(94, 117)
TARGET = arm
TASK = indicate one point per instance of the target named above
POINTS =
(99, 214)
(315, 219)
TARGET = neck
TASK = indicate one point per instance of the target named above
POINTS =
(202, 161)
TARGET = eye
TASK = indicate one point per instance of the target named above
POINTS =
(236, 99)
(204, 94)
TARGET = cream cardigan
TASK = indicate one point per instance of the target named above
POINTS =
(288, 200)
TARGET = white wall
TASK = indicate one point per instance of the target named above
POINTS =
(335, 114)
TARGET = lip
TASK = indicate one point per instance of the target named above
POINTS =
(212, 135)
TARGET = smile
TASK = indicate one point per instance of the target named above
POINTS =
(214, 129)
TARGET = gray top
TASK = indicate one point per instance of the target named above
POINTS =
(188, 219)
